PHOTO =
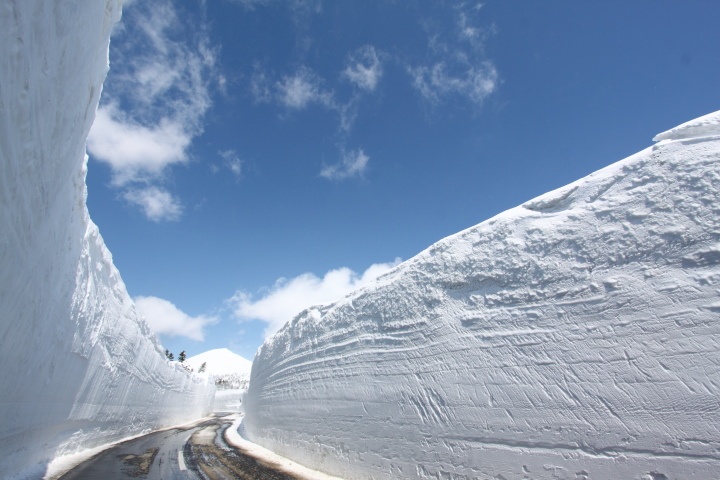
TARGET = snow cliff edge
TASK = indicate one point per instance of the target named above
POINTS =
(79, 366)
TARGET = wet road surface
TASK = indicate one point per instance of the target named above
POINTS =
(197, 452)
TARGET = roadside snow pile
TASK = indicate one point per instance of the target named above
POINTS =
(79, 365)
(229, 371)
(575, 336)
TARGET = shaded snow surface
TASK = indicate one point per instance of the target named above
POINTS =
(575, 336)
(79, 365)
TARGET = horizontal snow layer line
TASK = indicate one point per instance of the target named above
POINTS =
(591, 452)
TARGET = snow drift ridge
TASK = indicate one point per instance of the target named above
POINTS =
(575, 336)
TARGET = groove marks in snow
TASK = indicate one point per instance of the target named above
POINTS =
(552, 201)
(429, 405)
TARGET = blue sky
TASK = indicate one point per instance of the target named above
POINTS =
(252, 156)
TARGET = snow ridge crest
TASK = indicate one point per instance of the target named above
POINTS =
(705, 126)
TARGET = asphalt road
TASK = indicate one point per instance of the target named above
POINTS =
(198, 452)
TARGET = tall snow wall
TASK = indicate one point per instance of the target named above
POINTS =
(576, 336)
(78, 365)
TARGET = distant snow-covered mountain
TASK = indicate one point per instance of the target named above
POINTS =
(230, 370)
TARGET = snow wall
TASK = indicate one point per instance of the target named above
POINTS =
(79, 366)
(576, 336)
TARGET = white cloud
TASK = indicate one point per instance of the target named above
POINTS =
(287, 298)
(232, 162)
(364, 68)
(352, 164)
(157, 204)
(302, 89)
(158, 90)
(133, 151)
(164, 318)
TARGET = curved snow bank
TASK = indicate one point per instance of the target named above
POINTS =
(79, 366)
(575, 336)
(233, 437)
(705, 126)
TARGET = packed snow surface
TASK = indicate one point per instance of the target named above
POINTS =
(229, 371)
(575, 336)
(79, 366)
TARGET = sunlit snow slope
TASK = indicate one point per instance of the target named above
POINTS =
(575, 336)
(79, 366)
(221, 362)
(228, 371)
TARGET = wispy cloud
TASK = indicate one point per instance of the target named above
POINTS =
(302, 89)
(299, 7)
(232, 162)
(250, 4)
(438, 82)
(261, 87)
(156, 95)
(296, 91)
(456, 65)
(364, 68)
(467, 25)
(164, 318)
(155, 202)
(351, 164)
(287, 298)
(305, 88)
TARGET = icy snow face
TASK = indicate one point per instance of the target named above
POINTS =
(575, 336)
(78, 365)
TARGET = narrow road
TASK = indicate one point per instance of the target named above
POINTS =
(198, 452)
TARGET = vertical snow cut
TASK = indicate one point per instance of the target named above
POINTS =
(79, 366)
(575, 336)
